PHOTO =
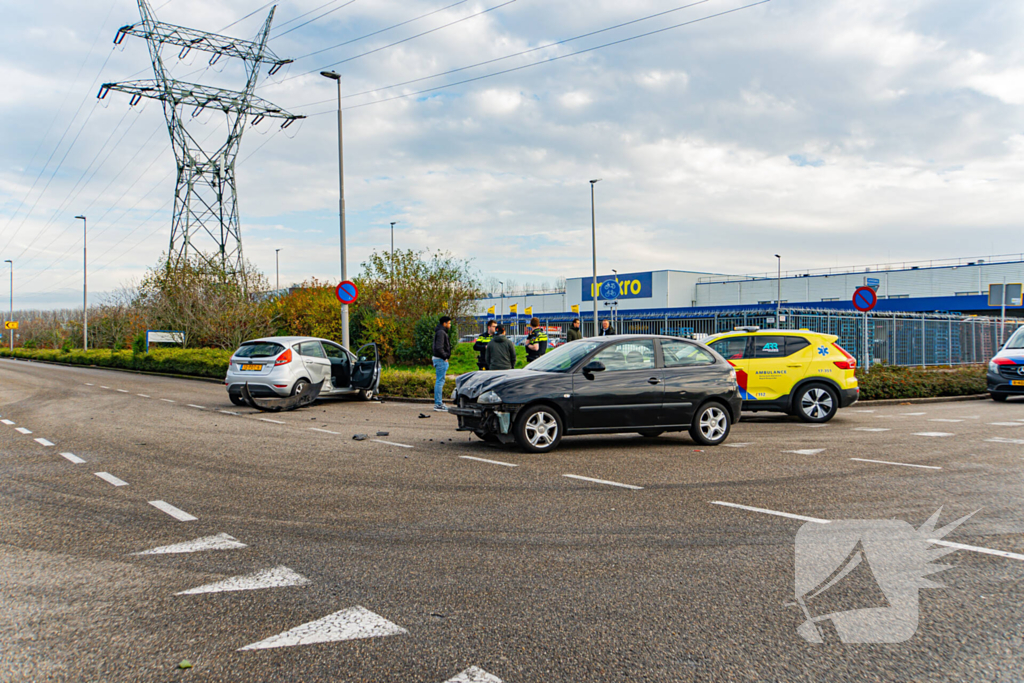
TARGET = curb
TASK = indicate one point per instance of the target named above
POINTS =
(104, 367)
(934, 399)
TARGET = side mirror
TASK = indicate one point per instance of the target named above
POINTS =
(593, 366)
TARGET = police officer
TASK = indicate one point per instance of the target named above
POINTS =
(536, 341)
(480, 345)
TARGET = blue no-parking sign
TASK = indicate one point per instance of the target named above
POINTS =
(347, 292)
(864, 299)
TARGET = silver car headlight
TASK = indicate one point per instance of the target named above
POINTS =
(490, 398)
(993, 368)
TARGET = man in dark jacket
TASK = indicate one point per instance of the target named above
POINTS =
(480, 345)
(441, 352)
(501, 352)
(574, 332)
(606, 329)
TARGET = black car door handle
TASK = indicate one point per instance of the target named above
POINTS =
(654, 380)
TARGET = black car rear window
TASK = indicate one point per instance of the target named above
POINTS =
(258, 350)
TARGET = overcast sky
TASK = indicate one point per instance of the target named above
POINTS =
(834, 132)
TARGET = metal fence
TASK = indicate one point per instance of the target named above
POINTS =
(892, 338)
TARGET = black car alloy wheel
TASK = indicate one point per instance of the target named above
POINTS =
(538, 429)
(710, 424)
(816, 403)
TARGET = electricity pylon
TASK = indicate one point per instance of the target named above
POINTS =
(205, 198)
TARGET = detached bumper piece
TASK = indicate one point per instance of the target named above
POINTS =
(304, 398)
(482, 420)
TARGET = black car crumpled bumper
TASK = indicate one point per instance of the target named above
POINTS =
(490, 419)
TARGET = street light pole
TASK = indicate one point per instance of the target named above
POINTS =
(341, 186)
(12, 299)
(85, 287)
(393, 254)
(501, 313)
(778, 296)
(593, 242)
(277, 267)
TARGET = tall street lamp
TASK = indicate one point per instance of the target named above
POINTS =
(277, 267)
(85, 287)
(593, 238)
(778, 295)
(341, 186)
(501, 311)
(393, 254)
(12, 299)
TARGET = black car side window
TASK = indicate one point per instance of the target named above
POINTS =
(679, 354)
(630, 355)
(794, 344)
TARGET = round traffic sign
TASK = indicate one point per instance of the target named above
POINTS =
(347, 292)
(610, 290)
(864, 299)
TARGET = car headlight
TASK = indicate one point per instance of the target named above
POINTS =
(993, 368)
(489, 398)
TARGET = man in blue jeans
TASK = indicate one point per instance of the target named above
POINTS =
(442, 351)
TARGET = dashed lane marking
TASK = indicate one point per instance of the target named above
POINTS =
(392, 443)
(7, 422)
(167, 400)
(935, 434)
(474, 674)
(943, 419)
(218, 542)
(89, 385)
(737, 445)
(267, 419)
(227, 412)
(193, 405)
(1000, 439)
(862, 411)
(492, 462)
(977, 549)
(179, 515)
(142, 395)
(770, 512)
(348, 624)
(123, 391)
(871, 429)
(278, 577)
(111, 479)
(72, 458)
(103, 387)
(813, 426)
(44, 442)
(902, 464)
(1007, 424)
(605, 481)
(22, 430)
(807, 451)
(325, 431)
(913, 413)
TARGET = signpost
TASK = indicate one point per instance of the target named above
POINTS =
(11, 325)
(164, 337)
(864, 299)
(347, 292)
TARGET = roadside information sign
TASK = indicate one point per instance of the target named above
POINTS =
(610, 290)
(864, 299)
(872, 282)
(164, 337)
(347, 292)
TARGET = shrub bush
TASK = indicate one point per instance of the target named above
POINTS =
(890, 381)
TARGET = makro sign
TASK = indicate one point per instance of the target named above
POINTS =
(631, 286)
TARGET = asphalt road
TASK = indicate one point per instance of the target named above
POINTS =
(411, 561)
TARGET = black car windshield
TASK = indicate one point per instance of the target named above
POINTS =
(564, 357)
(258, 350)
(1016, 341)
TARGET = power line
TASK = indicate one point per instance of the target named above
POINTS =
(383, 30)
(237, 21)
(315, 9)
(553, 59)
(515, 54)
(399, 42)
(296, 28)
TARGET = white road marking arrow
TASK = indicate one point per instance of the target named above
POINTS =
(348, 624)
(278, 577)
(474, 674)
(807, 451)
(218, 542)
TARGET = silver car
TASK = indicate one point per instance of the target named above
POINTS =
(278, 367)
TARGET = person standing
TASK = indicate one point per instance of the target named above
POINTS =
(442, 351)
(480, 345)
(501, 352)
(606, 329)
(536, 341)
(574, 331)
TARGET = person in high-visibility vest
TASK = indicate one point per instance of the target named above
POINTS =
(536, 342)
(480, 345)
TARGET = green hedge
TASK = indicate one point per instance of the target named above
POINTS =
(192, 362)
(890, 381)
(411, 384)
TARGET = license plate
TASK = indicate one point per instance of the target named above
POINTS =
(1017, 382)
(252, 367)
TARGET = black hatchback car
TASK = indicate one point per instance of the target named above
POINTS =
(641, 383)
